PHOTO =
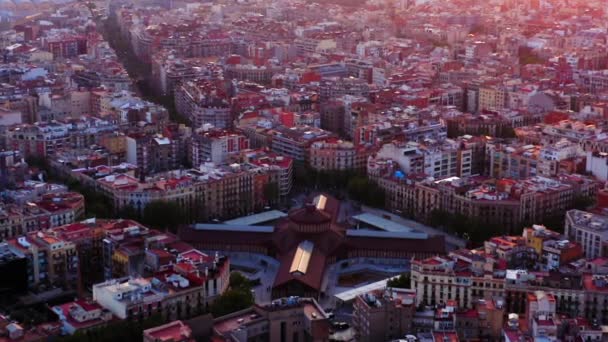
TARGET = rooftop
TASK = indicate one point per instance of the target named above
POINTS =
(302, 257)
(589, 220)
(233, 228)
(174, 331)
(386, 235)
(382, 223)
(255, 219)
(349, 295)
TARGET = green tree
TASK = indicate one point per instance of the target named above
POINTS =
(303, 176)
(357, 188)
(129, 212)
(164, 215)
(361, 189)
(231, 301)
(401, 282)
(239, 282)
(271, 193)
(583, 202)
(236, 298)
(438, 218)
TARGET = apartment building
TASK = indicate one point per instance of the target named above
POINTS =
(206, 192)
(279, 167)
(216, 145)
(523, 161)
(310, 45)
(595, 81)
(588, 229)
(51, 261)
(384, 314)
(507, 202)
(459, 278)
(50, 210)
(204, 102)
(335, 87)
(186, 289)
(438, 160)
(597, 164)
(338, 155)
(492, 97)
(333, 112)
(37, 140)
(295, 142)
(248, 72)
(14, 265)
(153, 154)
(168, 71)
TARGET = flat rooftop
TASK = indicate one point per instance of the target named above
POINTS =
(382, 223)
(385, 234)
(233, 228)
(351, 294)
(251, 220)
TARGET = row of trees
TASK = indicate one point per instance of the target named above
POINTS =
(157, 214)
(469, 228)
(355, 184)
(366, 191)
(472, 229)
(309, 178)
(136, 69)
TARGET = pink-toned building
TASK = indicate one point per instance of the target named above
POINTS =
(176, 331)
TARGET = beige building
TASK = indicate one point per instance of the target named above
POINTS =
(207, 192)
(463, 277)
(492, 98)
(337, 155)
(51, 261)
(115, 143)
(523, 161)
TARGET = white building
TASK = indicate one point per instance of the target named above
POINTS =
(119, 295)
(590, 230)
(597, 164)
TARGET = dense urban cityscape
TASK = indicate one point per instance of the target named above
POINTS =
(292, 171)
